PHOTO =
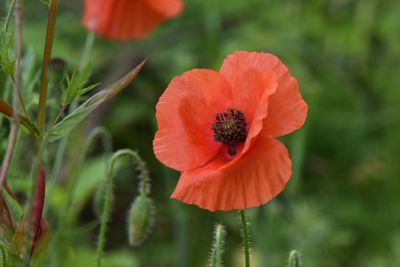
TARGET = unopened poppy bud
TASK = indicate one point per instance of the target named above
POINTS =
(57, 64)
(294, 259)
(140, 220)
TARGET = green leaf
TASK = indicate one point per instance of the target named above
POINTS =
(79, 114)
(7, 57)
(76, 85)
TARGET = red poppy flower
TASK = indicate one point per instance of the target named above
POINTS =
(128, 19)
(218, 130)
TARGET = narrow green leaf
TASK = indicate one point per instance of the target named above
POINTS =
(7, 55)
(87, 89)
(76, 85)
(79, 114)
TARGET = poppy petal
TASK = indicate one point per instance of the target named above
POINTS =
(287, 110)
(253, 180)
(169, 8)
(120, 19)
(261, 109)
(185, 113)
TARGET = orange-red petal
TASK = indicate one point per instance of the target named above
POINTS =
(185, 112)
(253, 180)
(287, 110)
(121, 19)
(169, 8)
(269, 84)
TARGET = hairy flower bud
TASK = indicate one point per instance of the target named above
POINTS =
(140, 220)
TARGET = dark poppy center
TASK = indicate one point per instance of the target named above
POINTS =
(230, 128)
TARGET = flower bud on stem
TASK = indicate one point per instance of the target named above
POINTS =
(144, 202)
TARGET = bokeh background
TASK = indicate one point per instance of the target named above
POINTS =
(341, 207)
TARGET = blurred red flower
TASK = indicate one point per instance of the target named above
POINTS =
(128, 19)
(218, 130)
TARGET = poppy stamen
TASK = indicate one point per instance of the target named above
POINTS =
(230, 128)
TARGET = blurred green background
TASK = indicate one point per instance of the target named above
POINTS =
(341, 207)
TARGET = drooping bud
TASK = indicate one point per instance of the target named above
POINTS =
(140, 219)
(294, 259)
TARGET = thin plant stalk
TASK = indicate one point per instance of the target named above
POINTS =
(99, 132)
(294, 259)
(12, 139)
(51, 23)
(106, 139)
(217, 246)
(245, 237)
(3, 257)
(87, 50)
(8, 16)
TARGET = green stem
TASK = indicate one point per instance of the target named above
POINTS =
(105, 136)
(12, 139)
(143, 189)
(294, 259)
(87, 51)
(8, 17)
(245, 237)
(48, 47)
(217, 249)
(3, 257)
(67, 216)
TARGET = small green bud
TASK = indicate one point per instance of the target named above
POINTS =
(140, 220)
(294, 259)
